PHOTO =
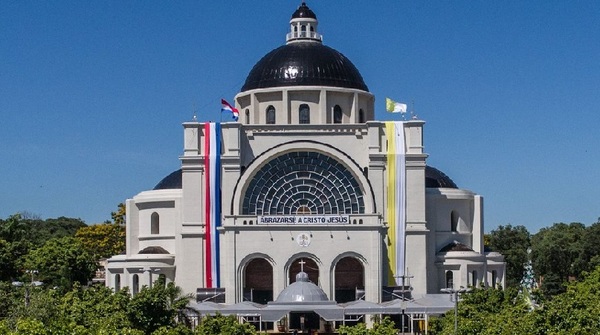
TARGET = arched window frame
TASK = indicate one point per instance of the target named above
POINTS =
(135, 284)
(454, 217)
(270, 115)
(449, 279)
(154, 224)
(304, 114)
(474, 278)
(337, 114)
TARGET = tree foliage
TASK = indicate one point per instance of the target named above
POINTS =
(383, 327)
(497, 312)
(102, 240)
(512, 242)
(61, 262)
(118, 217)
(220, 324)
(558, 254)
(156, 307)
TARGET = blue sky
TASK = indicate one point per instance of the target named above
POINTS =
(93, 93)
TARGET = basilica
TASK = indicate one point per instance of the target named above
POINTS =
(305, 181)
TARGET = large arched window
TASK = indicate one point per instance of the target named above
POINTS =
(449, 279)
(154, 224)
(270, 115)
(307, 265)
(303, 182)
(453, 221)
(304, 114)
(337, 114)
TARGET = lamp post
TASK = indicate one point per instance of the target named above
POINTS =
(455, 293)
(33, 283)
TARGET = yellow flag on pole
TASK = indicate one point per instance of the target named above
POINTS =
(394, 107)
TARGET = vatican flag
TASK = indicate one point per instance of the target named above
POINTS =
(394, 107)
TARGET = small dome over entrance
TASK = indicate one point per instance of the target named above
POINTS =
(302, 290)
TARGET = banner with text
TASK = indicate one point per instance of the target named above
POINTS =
(303, 219)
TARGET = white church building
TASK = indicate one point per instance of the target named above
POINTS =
(305, 178)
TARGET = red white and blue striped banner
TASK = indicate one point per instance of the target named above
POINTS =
(212, 165)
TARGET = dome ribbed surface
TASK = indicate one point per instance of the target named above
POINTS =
(435, 178)
(304, 64)
(302, 290)
(172, 181)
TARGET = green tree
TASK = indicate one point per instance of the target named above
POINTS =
(97, 309)
(102, 240)
(33, 304)
(177, 330)
(13, 229)
(487, 312)
(576, 311)
(156, 307)
(512, 242)
(11, 254)
(118, 217)
(41, 231)
(62, 262)
(220, 324)
(382, 327)
(590, 257)
(558, 255)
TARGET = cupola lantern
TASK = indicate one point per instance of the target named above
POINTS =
(303, 26)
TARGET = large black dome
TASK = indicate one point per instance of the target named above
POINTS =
(434, 178)
(304, 64)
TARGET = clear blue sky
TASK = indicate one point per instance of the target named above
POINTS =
(93, 93)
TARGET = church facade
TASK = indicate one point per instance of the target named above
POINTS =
(306, 178)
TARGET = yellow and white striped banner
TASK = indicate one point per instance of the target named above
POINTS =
(396, 199)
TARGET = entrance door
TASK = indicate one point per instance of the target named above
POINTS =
(258, 283)
(349, 279)
(304, 321)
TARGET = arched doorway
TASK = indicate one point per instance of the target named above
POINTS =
(258, 283)
(307, 265)
(349, 279)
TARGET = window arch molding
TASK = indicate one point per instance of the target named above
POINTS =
(295, 258)
(270, 115)
(338, 114)
(449, 279)
(304, 114)
(253, 167)
(154, 223)
(454, 219)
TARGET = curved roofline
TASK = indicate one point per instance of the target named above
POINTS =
(304, 64)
